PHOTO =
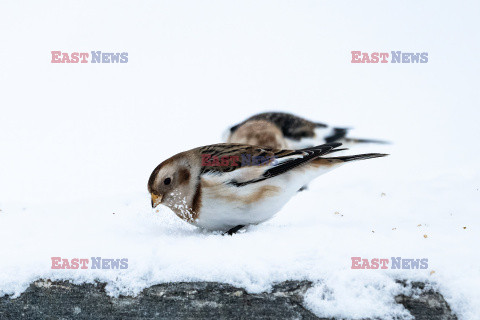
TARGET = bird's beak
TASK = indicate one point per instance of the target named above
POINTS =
(156, 200)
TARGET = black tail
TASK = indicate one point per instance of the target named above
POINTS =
(326, 146)
(355, 140)
(337, 134)
(359, 157)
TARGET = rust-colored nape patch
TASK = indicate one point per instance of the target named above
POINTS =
(183, 176)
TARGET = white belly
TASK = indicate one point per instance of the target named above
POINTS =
(226, 206)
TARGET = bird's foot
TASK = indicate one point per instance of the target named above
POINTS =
(303, 188)
(234, 230)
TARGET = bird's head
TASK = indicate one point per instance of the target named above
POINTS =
(172, 182)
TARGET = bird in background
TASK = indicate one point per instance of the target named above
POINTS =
(285, 130)
(259, 133)
(228, 186)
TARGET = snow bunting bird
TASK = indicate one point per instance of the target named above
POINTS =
(297, 132)
(259, 133)
(228, 186)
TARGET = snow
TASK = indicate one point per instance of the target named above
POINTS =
(78, 143)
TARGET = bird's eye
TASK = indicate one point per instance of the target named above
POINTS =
(167, 181)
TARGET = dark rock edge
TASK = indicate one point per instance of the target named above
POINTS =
(45, 299)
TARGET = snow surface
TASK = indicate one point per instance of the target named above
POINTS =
(78, 143)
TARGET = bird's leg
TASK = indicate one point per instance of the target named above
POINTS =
(303, 188)
(234, 229)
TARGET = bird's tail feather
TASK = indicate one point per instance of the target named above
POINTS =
(357, 140)
(358, 157)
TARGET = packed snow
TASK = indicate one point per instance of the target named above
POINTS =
(78, 143)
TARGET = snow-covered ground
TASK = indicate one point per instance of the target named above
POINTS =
(78, 143)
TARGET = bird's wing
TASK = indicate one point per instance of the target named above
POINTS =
(292, 126)
(245, 172)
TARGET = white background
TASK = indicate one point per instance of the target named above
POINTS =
(79, 141)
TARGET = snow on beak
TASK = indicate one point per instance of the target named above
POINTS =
(156, 200)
